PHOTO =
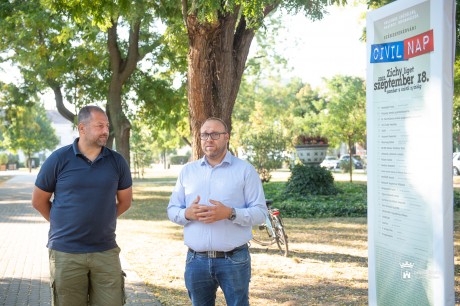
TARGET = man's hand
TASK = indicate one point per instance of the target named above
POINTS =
(211, 214)
(193, 211)
(207, 214)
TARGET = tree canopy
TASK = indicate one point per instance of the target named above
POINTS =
(87, 52)
(26, 126)
(345, 119)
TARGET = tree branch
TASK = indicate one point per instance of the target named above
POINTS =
(112, 45)
(132, 58)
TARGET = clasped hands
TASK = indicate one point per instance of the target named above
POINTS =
(206, 213)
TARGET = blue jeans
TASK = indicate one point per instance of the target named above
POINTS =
(204, 275)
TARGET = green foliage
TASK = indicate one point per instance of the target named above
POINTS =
(35, 161)
(349, 201)
(3, 158)
(207, 11)
(345, 120)
(29, 130)
(63, 46)
(24, 123)
(345, 166)
(456, 106)
(179, 159)
(13, 158)
(307, 111)
(456, 199)
(265, 151)
(260, 135)
(309, 180)
(141, 146)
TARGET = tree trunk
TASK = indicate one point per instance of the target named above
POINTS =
(29, 161)
(120, 124)
(350, 146)
(216, 60)
(122, 69)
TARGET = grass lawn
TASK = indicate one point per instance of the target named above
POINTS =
(327, 264)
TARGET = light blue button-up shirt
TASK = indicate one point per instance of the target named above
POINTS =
(235, 183)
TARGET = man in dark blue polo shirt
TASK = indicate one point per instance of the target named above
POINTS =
(92, 186)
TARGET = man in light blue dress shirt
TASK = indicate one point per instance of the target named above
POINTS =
(217, 199)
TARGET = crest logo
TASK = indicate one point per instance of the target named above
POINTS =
(406, 270)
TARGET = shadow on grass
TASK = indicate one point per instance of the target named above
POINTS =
(325, 293)
(317, 256)
(150, 199)
(169, 296)
(254, 248)
(350, 233)
(155, 180)
(149, 210)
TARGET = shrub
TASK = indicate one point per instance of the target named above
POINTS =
(3, 158)
(178, 160)
(456, 200)
(308, 180)
(13, 159)
(264, 150)
(349, 201)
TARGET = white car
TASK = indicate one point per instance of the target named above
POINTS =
(330, 162)
(456, 163)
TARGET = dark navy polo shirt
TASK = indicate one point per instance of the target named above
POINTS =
(83, 212)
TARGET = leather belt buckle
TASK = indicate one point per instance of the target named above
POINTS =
(212, 254)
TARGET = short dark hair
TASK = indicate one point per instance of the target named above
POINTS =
(217, 119)
(85, 112)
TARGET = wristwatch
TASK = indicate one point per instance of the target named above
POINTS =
(233, 215)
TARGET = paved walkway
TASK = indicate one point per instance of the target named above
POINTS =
(24, 273)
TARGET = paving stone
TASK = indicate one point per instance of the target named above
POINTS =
(24, 270)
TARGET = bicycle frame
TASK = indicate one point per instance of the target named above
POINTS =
(272, 231)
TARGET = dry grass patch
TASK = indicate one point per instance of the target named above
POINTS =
(317, 271)
(327, 257)
(327, 264)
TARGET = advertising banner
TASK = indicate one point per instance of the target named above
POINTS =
(409, 83)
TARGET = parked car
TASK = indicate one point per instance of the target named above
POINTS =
(456, 164)
(330, 162)
(356, 159)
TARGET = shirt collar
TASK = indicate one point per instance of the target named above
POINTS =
(77, 152)
(227, 160)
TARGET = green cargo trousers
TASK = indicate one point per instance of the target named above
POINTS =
(86, 279)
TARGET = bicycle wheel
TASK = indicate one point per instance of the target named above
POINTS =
(281, 237)
(262, 235)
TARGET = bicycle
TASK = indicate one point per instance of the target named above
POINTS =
(272, 231)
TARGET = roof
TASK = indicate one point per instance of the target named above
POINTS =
(56, 117)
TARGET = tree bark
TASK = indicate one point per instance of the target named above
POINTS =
(350, 149)
(122, 69)
(216, 60)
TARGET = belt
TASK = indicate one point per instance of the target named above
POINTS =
(218, 254)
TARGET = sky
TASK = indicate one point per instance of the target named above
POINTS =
(315, 50)
(331, 46)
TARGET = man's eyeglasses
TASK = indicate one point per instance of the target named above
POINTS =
(214, 136)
